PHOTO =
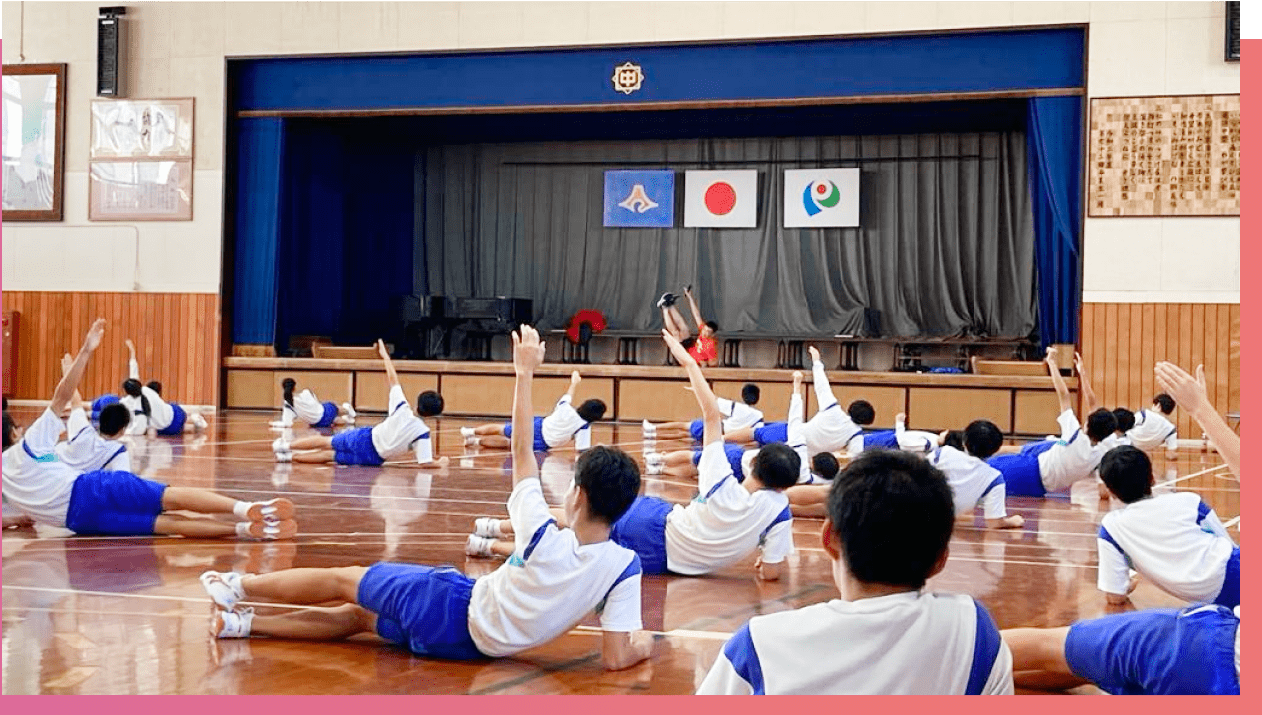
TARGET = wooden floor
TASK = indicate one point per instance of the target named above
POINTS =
(127, 615)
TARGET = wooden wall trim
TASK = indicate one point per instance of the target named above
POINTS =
(176, 336)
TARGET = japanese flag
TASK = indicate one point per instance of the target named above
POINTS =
(721, 199)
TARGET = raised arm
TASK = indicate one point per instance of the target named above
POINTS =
(392, 377)
(70, 382)
(696, 311)
(527, 355)
(1062, 392)
(133, 367)
(710, 412)
(575, 378)
(824, 397)
(1191, 395)
(1088, 395)
(76, 401)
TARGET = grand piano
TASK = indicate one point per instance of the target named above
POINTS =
(427, 323)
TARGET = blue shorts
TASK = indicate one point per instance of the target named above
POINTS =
(330, 414)
(643, 530)
(696, 429)
(881, 439)
(734, 453)
(177, 421)
(540, 445)
(354, 446)
(1020, 471)
(114, 504)
(1158, 652)
(101, 403)
(1230, 595)
(421, 608)
(771, 433)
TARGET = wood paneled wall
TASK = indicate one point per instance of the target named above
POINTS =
(1122, 341)
(176, 336)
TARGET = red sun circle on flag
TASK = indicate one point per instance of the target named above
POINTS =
(720, 198)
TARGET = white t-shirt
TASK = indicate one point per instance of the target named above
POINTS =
(565, 424)
(831, 429)
(1173, 540)
(738, 415)
(1073, 457)
(1114, 440)
(87, 451)
(727, 522)
(1151, 429)
(35, 481)
(551, 582)
(402, 430)
(972, 480)
(308, 407)
(905, 643)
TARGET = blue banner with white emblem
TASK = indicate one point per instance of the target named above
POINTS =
(639, 199)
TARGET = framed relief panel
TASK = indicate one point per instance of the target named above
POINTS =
(34, 141)
(140, 190)
(142, 128)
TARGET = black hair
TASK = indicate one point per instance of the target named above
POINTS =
(982, 438)
(1165, 402)
(10, 430)
(155, 386)
(610, 479)
(1101, 424)
(688, 342)
(712, 325)
(429, 404)
(1125, 419)
(132, 388)
(288, 385)
(861, 412)
(114, 419)
(777, 466)
(1127, 472)
(893, 513)
(825, 465)
(591, 410)
(750, 394)
(955, 438)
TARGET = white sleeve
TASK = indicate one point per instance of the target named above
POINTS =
(527, 511)
(133, 369)
(993, 503)
(1114, 573)
(796, 414)
(424, 449)
(620, 611)
(583, 438)
(121, 461)
(713, 467)
(1000, 680)
(726, 406)
(1211, 523)
(1068, 425)
(41, 437)
(397, 398)
(79, 446)
(824, 396)
(779, 541)
(917, 441)
(725, 677)
(1172, 439)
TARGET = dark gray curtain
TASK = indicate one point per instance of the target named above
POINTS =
(946, 245)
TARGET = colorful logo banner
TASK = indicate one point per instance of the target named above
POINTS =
(639, 199)
(721, 199)
(821, 198)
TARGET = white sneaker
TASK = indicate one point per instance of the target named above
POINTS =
(284, 457)
(224, 588)
(479, 546)
(654, 458)
(280, 445)
(232, 624)
(653, 469)
(487, 527)
(466, 432)
(350, 411)
(278, 509)
(649, 428)
(198, 421)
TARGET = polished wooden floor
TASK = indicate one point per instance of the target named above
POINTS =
(127, 615)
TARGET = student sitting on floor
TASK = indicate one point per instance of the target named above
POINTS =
(307, 407)
(1174, 540)
(727, 522)
(401, 432)
(556, 430)
(736, 415)
(150, 413)
(1054, 465)
(890, 517)
(555, 578)
(116, 503)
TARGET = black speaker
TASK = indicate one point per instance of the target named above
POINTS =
(1233, 32)
(109, 52)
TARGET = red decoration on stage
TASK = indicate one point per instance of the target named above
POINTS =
(594, 319)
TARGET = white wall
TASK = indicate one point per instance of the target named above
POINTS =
(178, 50)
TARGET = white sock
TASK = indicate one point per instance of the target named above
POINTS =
(350, 411)
(653, 469)
(243, 527)
(241, 510)
(466, 432)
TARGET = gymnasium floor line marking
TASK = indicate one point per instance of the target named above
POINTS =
(1234, 521)
(1189, 476)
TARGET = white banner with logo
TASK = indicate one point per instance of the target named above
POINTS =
(821, 198)
(721, 199)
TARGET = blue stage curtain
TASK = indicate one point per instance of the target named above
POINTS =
(260, 155)
(1054, 137)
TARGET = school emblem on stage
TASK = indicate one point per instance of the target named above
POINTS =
(643, 199)
(627, 77)
(821, 198)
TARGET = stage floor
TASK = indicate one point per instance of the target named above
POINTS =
(127, 615)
